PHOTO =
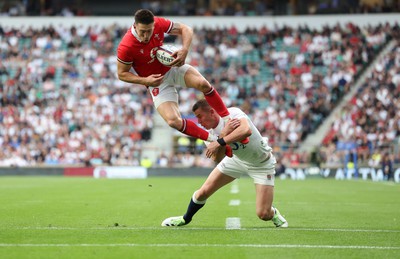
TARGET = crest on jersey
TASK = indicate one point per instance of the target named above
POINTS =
(153, 52)
(155, 91)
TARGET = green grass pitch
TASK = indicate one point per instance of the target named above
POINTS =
(57, 217)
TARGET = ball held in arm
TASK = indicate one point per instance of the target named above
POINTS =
(164, 54)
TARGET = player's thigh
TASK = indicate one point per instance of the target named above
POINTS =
(194, 79)
(169, 111)
(215, 181)
(264, 196)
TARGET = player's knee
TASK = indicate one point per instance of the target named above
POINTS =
(203, 85)
(265, 214)
(175, 123)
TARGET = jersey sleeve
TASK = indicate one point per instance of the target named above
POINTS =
(124, 55)
(164, 24)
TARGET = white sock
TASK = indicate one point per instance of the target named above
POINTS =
(197, 201)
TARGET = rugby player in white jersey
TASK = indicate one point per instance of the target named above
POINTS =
(254, 158)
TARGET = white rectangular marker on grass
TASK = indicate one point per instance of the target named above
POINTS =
(234, 187)
(234, 202)
(232, 223)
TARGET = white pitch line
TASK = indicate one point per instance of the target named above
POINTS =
(348, 230)
(232, 223)
(207, 245)
(200, 228)
(234, 202)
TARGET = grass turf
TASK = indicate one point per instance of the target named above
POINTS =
(56, 217)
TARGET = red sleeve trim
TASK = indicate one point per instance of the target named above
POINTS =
(170, 27)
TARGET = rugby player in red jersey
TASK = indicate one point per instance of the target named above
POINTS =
(137, 50)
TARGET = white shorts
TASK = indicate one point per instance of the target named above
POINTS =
(167, 91)
(262, 173)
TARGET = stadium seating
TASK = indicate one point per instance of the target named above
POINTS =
(370, 122)
(61, 102)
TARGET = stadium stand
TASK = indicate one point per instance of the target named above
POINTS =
(288, 80)
(369, 125)
(61, 102)
(195, 8)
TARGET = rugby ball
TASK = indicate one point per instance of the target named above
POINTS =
(164, 54)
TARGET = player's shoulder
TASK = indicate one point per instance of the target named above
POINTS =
(163, 23)
(235, 111)
(160, 21)
(127, 39)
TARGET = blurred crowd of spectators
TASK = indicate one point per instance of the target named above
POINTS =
(61, 102)
(195, 7)
(268, 7)
(368, 129)
(309, 71)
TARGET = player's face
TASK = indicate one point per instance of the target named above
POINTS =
(144, 31)
(207, 119)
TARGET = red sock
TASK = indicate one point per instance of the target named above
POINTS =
(215, 101)
(190, 128)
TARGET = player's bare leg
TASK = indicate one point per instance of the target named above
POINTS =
(264, 209)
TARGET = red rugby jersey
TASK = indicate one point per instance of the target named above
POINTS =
(142, 56)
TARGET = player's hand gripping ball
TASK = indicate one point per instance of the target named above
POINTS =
(164, 54)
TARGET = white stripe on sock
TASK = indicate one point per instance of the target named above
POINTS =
(197, 201)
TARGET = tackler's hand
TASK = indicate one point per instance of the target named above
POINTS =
(230, 126)
(212, 149)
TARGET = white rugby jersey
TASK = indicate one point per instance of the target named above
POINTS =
(256, 150)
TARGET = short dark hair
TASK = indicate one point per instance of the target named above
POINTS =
(144, 16)
(201, 104)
